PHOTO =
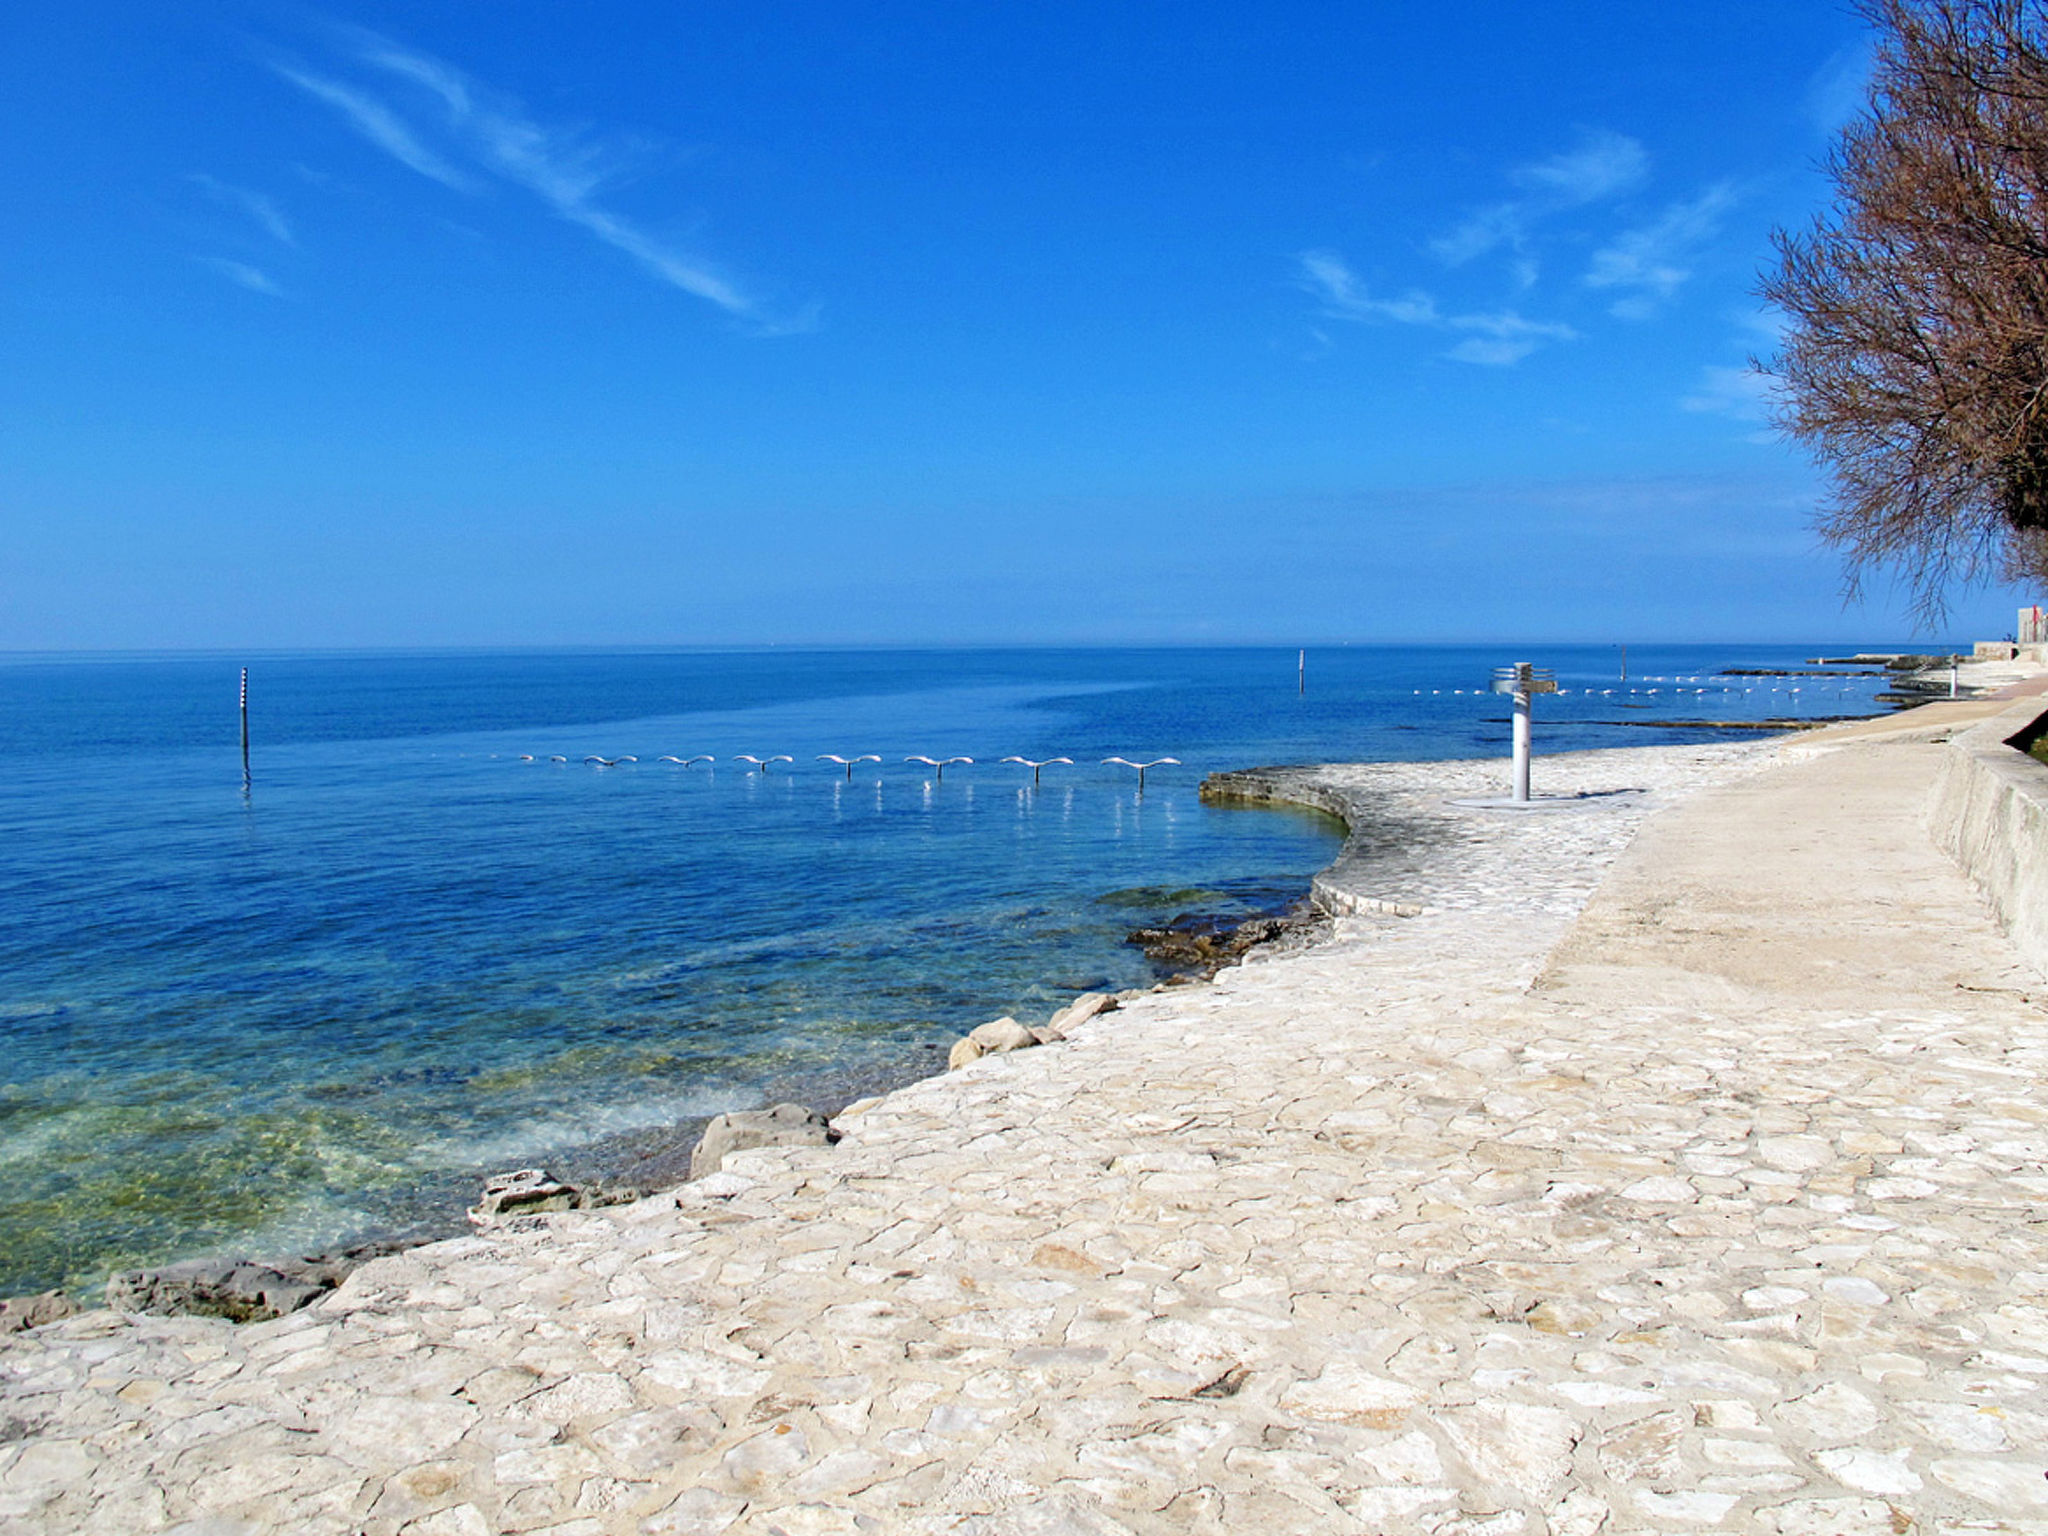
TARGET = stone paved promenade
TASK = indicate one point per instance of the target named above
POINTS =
(1715, 1202)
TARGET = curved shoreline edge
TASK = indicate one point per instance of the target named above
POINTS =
(990, 1260)
(235, 1285)
(1989, 793)
(244, 1287)
(1301, 786)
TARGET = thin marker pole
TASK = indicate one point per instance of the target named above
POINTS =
(245, 723)
(1301, 671)
(1624, 663)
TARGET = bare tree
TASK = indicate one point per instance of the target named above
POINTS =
(1915, 363)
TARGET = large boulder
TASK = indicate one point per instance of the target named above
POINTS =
(1000, 1035)
(991, 1039)
(786, 1125)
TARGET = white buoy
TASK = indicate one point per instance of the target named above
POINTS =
(848, 762)
(1141, 767)
(1037, 764)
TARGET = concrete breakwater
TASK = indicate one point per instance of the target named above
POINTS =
(1371, 831)
(1539, 1211)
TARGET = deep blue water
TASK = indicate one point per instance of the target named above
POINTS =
(317, 1007)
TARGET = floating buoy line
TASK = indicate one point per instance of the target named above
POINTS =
(757, 765)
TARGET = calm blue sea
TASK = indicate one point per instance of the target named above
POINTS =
(282, 1016)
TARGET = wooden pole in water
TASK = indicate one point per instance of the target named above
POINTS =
(1301, 673)
(1624, 663)
(245, 722)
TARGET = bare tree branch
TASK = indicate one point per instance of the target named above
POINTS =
(1915, 363)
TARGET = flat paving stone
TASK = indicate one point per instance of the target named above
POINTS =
(1680, 1166)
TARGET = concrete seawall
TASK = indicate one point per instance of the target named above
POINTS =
(1338, 889)
(1989, 812)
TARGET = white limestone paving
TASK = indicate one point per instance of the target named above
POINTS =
(1679, 1167)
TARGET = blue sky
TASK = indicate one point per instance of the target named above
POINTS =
(706, 322)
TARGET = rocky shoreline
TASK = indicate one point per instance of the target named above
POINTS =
(1262, 1212)
(1190, 948)
(1387, 838)
(1653, 1174)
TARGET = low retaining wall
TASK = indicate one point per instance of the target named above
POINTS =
(1337, 890)
(1989, 812)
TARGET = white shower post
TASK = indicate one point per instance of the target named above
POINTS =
(1523, 680)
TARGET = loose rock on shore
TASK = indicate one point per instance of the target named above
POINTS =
(786, 1125)
(255, 1290)
(1000, 1036)
(1196, 947)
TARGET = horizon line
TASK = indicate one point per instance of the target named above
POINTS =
(110, 653)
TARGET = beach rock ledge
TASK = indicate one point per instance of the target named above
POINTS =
(786, 1125)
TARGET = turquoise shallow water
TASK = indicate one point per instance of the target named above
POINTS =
(318, 1008)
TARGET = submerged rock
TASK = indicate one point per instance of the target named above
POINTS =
(786, 1125)
(1196, 945)
(240, 1290)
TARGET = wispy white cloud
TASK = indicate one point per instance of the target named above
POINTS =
(1494, 339)
(1648, 262)
(1504, 337)
(1840, 88)
(1766, 324)
(1480, 231)
(1326, 275)
(379, 124)
(1638, 269)
(260, 210)
(1740, 394)
(685, 272)
(565, 167)
(1743, 393)
(1603, 164)
(255, 279)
